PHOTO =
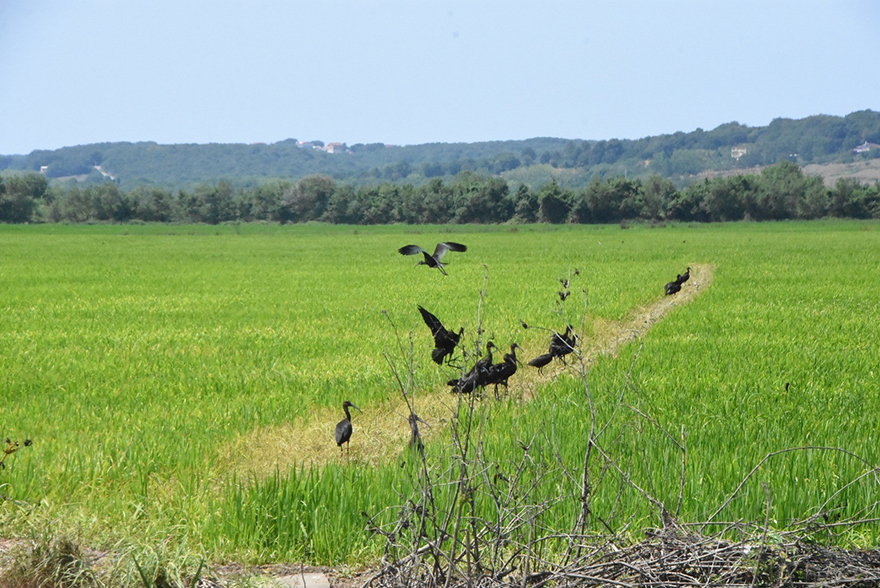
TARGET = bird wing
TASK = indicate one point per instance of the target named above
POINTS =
(563, 344)
(411, 250)
(343, 431)
(442, 248)
(437, 328)
(541, 360)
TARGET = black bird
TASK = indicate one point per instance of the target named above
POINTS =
(435, 259)
(477, 376)
(499, 373)
(444, 340)
(343, 427)
(541, 360)
(672, 287)
(560, 346)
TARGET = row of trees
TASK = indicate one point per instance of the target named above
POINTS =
(816, 139)
(780, 192)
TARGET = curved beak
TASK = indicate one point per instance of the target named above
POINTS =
(359, 410)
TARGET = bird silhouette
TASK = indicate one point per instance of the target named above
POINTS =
(433, 260)
(477, 376)
(499, 373)
(560, 346)
(343, 427)
(673, 287)
(541, 360)
(444, 340)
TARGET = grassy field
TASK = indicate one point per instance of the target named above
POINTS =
(181, 383)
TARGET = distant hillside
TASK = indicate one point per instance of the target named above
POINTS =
(680, 156)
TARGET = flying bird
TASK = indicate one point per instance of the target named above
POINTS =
(444, 339)
(433, 260)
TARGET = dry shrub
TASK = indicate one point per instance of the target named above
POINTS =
(55, 563)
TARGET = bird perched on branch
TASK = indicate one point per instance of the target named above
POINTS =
(343, 427)
(560, 346)
(433, 260)
(444, 340)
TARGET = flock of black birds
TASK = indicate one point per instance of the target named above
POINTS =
(484, 372)
(673, 287)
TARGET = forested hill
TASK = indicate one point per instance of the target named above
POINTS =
(816, 139)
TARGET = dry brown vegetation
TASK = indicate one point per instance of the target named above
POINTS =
(383, 429)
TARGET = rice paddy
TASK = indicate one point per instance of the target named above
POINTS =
(183, 382)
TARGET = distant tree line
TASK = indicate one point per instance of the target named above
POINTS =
(815, 139)
(780, 192)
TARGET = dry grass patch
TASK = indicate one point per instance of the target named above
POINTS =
(381, 431)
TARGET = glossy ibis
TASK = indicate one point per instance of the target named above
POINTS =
(343, 427)
(560, 346)
(477, 376)
(444, 340)
(433, 260)
(499, 373)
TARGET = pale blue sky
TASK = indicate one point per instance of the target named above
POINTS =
(407, 72)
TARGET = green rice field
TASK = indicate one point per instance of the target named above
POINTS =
(181, 383)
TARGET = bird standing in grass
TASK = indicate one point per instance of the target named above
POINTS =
(433, 260)
(343, 427)
(477, 376)
(673, 287)
(499, 373)
(560, 346)
(444, 340)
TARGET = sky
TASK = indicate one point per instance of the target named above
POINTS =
(74, 72)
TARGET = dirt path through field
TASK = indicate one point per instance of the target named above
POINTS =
(380, 431)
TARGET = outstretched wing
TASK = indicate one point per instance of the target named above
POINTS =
(437, 328)
(442, 248)
(410, 250)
